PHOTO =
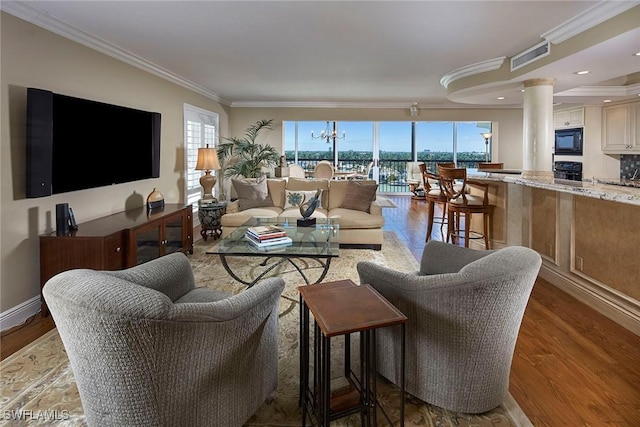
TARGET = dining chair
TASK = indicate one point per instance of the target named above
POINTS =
(462, 203)
(324, 170)
(364, 175)
(296, 171)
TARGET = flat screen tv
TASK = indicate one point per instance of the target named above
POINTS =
(76, 144)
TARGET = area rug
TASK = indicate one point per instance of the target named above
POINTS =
(385, 202)
(37, 381)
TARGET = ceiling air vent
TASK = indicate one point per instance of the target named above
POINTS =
(528, 56)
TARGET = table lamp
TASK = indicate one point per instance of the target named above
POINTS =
(207, 161)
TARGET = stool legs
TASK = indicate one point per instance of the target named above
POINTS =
(431, 218)
(454, 231)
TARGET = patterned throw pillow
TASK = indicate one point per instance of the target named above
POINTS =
(359, 196)
(293, 198)
(252, 194)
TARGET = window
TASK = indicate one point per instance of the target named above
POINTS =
(390, 145)
(200, 129)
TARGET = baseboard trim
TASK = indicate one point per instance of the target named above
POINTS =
(599, 301)
(515, 412)
(19, 314)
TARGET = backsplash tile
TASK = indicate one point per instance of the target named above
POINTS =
(628, 165)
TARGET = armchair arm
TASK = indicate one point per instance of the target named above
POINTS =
(233, 207)
(170, 274)
(260, 298)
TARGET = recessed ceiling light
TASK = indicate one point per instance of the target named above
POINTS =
(606, 100)
(580, 73)
(637, 54)
(500, 98)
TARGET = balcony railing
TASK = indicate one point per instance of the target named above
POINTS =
(392, 173)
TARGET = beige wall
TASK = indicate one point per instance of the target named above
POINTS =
(33, 57)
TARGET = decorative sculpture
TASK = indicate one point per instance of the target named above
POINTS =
(307, 208)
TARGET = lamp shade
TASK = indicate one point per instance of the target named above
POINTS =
(486, 135)
(207, 159)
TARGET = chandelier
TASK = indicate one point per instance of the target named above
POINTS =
(329, 134)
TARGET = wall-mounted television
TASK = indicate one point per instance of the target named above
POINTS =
(76, 144)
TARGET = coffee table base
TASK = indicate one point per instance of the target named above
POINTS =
(324, 262)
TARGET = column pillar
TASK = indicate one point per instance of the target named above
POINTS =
(538, 129)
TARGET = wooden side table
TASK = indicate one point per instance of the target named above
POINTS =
(209, 215)
(340, 309)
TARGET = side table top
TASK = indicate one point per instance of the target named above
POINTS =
(343, 307)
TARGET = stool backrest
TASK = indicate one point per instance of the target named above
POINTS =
(449, 178)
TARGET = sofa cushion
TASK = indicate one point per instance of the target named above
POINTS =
(237, 219)
(311, 184)
(359, 196)
(350, 219)
(276, 191)
(339, 191)
(252, 193)
(294, 213)
(294, 198)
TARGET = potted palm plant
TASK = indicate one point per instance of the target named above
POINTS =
(243, 156)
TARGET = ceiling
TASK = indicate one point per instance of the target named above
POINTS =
(346, 53)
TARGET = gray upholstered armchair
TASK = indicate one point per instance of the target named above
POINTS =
(464, 310)
(147, 348)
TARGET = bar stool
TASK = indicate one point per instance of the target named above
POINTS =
(462, 203)
(434, 194)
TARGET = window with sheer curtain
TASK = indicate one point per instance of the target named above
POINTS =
(200, 129)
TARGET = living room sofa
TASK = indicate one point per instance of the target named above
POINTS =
(360, 218)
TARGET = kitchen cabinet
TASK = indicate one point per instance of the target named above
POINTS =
(573, 118)
(118, 241)
(621, 128)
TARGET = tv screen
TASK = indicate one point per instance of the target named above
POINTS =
(76, 144)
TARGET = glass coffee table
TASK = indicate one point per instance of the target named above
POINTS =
(318, 242)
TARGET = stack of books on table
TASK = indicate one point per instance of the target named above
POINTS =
(268, 236)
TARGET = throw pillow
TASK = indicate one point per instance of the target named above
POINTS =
(359, 196)
(293, 198)
(252, 194)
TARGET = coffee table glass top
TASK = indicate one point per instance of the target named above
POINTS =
(319, 241)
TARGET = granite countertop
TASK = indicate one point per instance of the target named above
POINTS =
(597, 189)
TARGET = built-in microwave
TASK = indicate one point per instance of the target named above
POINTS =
(568, 142)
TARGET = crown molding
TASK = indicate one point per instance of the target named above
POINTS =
(604, 91)
(40, 18)
(470, 70)
(589, 18)
(315, 104)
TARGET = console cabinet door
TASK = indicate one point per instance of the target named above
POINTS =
(172, 233)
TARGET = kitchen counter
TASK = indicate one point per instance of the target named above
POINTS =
(582, 230)
(598, 190)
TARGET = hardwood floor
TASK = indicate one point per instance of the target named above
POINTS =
(571, 367)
